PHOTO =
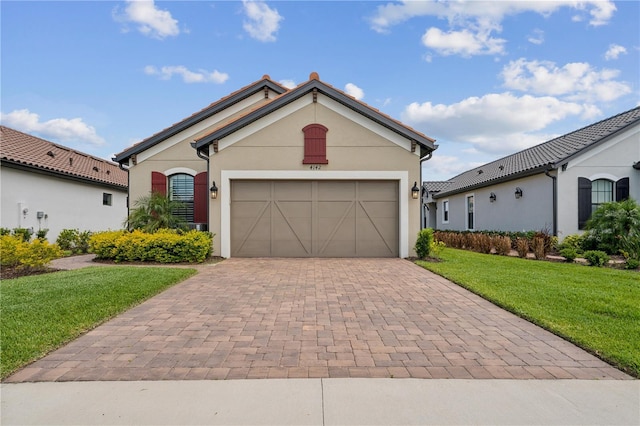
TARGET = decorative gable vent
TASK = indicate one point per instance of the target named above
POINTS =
(315, 144)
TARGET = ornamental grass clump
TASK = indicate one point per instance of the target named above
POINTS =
(522, 247)
(502, 244)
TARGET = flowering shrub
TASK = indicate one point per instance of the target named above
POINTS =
(165, 246)
(17, 253)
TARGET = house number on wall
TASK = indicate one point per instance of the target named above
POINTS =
(315, 167)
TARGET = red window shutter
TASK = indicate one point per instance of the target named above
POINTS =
(200, 198)
(159, 183)
(315, 144)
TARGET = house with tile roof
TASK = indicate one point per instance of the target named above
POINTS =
(555, 185)
(302, 172)
(49, 186)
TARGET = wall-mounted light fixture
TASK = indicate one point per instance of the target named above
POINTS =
(492, 197)
(518, 192)
(214, 191)
(415, 191)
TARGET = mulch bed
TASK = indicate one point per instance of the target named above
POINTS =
(7, 273)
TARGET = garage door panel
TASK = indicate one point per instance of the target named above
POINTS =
(314, 218)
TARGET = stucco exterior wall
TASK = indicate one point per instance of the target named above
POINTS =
(273, 148)
(176, 151)
(67, 204)
(534, 211)
(611, 160)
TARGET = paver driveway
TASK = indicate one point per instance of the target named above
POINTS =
(268, 318)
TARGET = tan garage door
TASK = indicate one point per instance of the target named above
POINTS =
(314, 218)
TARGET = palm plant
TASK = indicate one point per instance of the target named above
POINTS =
(616, 226)
(153, 212)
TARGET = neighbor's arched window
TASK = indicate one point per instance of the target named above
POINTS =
(181, 188)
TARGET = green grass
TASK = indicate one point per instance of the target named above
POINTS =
(41, 313)
(598, 309)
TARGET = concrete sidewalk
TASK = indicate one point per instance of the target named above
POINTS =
(325, 402)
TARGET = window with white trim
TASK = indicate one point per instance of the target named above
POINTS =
(470, 213)
(445, 211)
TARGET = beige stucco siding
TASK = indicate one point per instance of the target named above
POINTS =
(177, 151)
(354, 151)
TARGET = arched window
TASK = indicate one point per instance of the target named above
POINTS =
(181, 188)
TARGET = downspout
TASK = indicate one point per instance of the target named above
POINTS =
(554, 226)
(205, 158)
(422, 205)
(126, 169)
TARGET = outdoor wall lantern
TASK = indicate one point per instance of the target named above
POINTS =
(214, 191)
(518, 192)
(415, 191)
(492, 197)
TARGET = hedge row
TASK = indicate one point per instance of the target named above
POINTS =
(165, 246)
(17, 253)
(541, 243)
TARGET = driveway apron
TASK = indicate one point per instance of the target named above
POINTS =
(318, 318)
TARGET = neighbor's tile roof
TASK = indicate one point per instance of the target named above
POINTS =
(26, 150)
(550, 154)
(436, 186)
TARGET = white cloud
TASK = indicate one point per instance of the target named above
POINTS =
(150, 20)
(447, 165)
(61, 129)
(465, 43)
(495, 123)
(200, 76)
(576, 81)
(262, 22)
(353, 90)
(472, 24)
(614, 51)
(537, 37)
(289, 84)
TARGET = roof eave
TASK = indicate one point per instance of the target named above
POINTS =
(525, 173)
(52, 172)
(332, 93)
(190, 121)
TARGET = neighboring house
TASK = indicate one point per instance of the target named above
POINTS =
(302, 172)
(554, 186)
(45, 185)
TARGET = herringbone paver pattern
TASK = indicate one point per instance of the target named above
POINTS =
(278, 318)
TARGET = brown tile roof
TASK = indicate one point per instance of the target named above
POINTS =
(30, 151)
(548, 155)
(204, 113)
(314, 83)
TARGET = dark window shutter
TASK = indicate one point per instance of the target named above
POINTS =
(315, 144)
(584, 201)
(159, 183)
(622, 189)
(200, 198)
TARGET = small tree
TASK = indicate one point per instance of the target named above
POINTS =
(616, 227)
(153, 212)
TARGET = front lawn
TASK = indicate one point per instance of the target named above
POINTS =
(598, 309)
(41, 313)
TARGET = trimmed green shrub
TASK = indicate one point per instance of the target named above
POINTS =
(423, 242)
(164, 246)
(42, 234)
(569, 253)
(632, 264)
(574, 241)
(596, 257)
(23, 233)
(74, 241)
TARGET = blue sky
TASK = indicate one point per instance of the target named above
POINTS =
(485, 79)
